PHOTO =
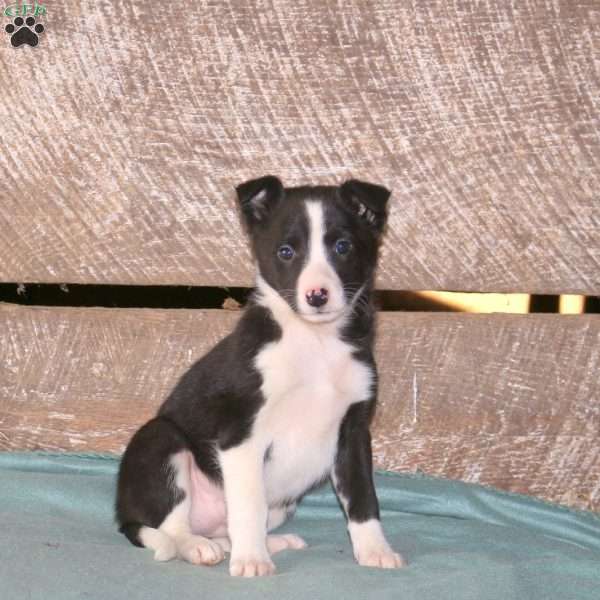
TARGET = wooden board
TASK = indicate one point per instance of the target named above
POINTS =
(124, 132)
(506, 400)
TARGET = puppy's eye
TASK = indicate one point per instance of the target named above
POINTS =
(343, 247)
(285, 252)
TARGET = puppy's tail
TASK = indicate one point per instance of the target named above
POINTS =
(147, 537)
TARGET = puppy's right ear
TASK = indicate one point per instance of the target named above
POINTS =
(258, 197)
(368, 200)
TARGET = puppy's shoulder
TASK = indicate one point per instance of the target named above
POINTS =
(256, 328)
(230, 363)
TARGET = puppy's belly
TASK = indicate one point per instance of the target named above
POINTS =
(208, 514)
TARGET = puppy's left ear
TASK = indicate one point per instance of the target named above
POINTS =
(368, 201)
(258, 197)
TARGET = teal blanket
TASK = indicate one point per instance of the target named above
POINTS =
(58, 541)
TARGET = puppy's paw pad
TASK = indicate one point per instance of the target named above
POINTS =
(251, 567)
(286, 541)
(381, 559)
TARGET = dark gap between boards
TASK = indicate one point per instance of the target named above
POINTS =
(207, 297)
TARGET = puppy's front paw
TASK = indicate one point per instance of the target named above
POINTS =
(382, 558)
(251, 566)
(371, 548)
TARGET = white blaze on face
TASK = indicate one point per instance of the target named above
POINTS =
(318, 273)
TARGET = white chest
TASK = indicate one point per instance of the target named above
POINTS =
(310, 378)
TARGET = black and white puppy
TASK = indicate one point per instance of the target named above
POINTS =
(278, 406)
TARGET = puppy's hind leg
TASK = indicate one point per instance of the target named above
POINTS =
(154, 497)
(196, 549)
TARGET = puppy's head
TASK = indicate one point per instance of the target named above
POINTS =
(316, 247)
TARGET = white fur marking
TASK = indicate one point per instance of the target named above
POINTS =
(307, 373)
(163, 545)
(318, 272)
(370, 546)
(310, 379)
(242, 468)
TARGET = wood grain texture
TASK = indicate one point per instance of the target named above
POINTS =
(506, 400)
(124, 132)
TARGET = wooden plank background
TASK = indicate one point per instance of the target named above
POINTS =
(506, 400)
(123, 133)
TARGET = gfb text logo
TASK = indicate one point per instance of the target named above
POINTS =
(24, 28)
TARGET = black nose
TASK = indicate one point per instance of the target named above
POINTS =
(317, 298)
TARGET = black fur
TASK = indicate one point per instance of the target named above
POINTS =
(218, 398)
(354, 464)
(145, 494)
